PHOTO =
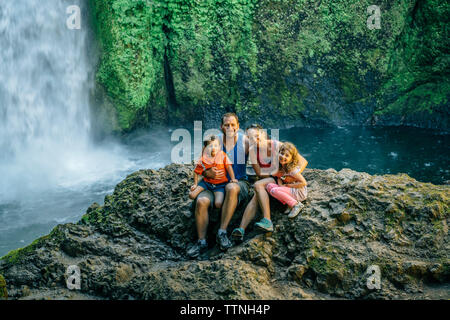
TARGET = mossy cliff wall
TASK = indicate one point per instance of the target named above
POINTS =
(290, 62)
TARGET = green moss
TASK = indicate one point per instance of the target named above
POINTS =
(94, 216)
(163, 60)
(324, 262)
(17, 255)
(419, 63)
(132, 43)
(3, 291)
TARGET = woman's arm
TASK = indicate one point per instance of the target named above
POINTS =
(302, 164)
(300, 181)
(254, 161)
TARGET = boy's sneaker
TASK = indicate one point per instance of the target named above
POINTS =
(296, 210)
(265, 224)
(197, 249)
(223, 241)
(238, 234)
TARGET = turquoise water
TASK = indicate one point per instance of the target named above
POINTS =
(422, 154)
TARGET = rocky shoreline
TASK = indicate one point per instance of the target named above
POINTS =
(133, 247)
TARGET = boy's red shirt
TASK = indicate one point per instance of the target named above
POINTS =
(219, 162)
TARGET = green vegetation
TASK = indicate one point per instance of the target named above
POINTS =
(179, 56)
(93, 216)
(131, 70)
(17, 255)
(3, 291)
(419, 64)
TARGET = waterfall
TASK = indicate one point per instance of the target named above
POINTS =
(45, 78)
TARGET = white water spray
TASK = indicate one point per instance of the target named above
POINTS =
(45, 78)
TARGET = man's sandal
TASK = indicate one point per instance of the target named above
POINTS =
(238, 234)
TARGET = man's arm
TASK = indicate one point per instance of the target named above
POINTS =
(230, 171)
(210, 173)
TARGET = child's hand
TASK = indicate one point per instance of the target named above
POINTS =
(234, 180)
(193, 187)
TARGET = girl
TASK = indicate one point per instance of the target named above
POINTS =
(212, 156)
(290, 188)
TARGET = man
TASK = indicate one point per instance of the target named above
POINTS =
(235, 144)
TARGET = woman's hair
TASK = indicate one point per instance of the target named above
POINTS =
(254, 126)
(295, 160)
(259, 128)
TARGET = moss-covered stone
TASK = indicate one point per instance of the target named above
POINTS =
(15, 256)
(134, 246)
(301, 60)
(3, 291)
(132, 62)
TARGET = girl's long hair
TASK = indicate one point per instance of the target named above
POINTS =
(295, 160)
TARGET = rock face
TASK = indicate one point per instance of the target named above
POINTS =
(279, 63)
(134, 246)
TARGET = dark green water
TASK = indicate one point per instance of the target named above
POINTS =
(422, 154)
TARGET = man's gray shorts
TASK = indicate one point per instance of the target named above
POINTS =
(243, 197)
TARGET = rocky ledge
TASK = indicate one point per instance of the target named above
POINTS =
(134, 246)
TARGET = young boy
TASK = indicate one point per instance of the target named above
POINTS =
(212, 156)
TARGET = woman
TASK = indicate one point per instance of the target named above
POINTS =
(263, 154)
(262, 151)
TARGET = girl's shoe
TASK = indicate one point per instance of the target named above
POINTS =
(296, 210)
(238, 234)
(288, 209)
(265, 224)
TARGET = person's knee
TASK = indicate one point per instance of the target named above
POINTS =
(258, 184)
(232, 188)
(203, 202)
(259, 187)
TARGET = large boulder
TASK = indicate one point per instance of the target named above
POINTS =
(354, 224)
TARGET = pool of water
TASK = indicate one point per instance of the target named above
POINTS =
(422, 154)
(36, 209)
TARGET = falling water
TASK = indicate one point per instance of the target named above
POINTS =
(50, 171)
(45, 78)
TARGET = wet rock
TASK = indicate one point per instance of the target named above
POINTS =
(134, 246)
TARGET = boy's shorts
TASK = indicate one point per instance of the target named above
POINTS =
(244, 195)
(213, 187)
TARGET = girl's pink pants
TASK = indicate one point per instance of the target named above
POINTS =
(284, 194)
